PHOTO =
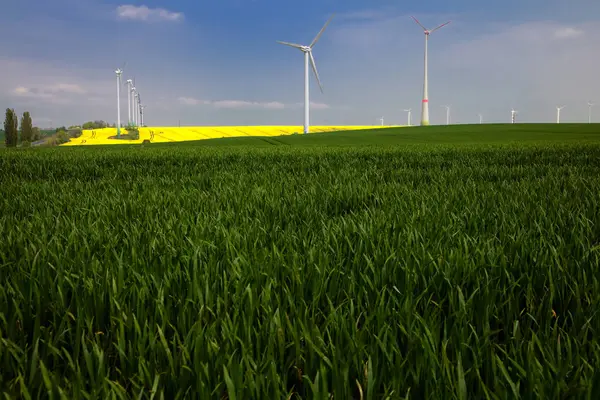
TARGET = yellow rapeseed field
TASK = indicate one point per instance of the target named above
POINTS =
(158, 134)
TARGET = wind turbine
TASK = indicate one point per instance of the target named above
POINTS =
(137, 108)
(558, 113)
(425, 103)
(133, 113)
(513, 114)
(133, 91)
(129, 84)
(142, 114)
(381, 119)
(409, 112)
(480, 118)
(119, 72)
(308, 58)
(590, 105)
(447, 114)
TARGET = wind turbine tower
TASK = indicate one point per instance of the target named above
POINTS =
(590, 105)
(142, 115)
(513, 115)
(119, 72)
(409, 115)
(480, 118)
(558, 113)
(133, 115)
(137, 108)
(447, 114)
(308, 59)
(129, 83)
(425, 103)
(381, 119)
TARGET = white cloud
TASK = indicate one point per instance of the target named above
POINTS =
(144, 13)
(55, 91)
(567, 32)
(237, 104)
(319, 106)
(243, 104)
(189, 101)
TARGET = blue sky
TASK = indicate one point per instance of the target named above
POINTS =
(217, 63)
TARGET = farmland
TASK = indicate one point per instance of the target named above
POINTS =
(166, 134)
(438, 262)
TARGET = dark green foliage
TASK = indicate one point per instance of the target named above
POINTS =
(36, 133)
(74, 132)
(62, 137)
(134, 133)
(26, 128)
(11, 135)
(94, 125)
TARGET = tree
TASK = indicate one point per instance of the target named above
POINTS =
(26, 128)
(99, 124)
(37, 135)
(11, 128)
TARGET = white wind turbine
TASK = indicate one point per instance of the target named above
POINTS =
(409, 114)
(425, 103)
(129, 85)
(142, 114)
(133, 113)
(513, 114)
(590, 105)
(447, 114)
(381, 119)
(119, 72)
(558, 113)
(480, 118)
(137, 108)
(308, 58)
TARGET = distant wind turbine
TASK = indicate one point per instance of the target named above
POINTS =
(308, 59)
(409, 114)
(513, 114)
(381, 119)
(480, 118)
(447, 114)
(137, 108)
(119, 72)
(590, 105)
(142, 115)
(558, 113)
(133, 113)
(129, 84)
(425, 103)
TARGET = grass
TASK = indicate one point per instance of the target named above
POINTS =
(456, 264)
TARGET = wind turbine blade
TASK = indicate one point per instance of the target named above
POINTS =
(314, 68)
(420, 24)
(321, 32)
(290, 44)
(435, 29)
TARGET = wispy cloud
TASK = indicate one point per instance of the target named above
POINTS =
(273, 105)
(314, 106)
(568, 32)
(238, 104)
(48, 92)
(144, 13)
(190, 101)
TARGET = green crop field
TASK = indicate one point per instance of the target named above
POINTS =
(436, 263)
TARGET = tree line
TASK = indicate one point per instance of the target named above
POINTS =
(28, 133)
